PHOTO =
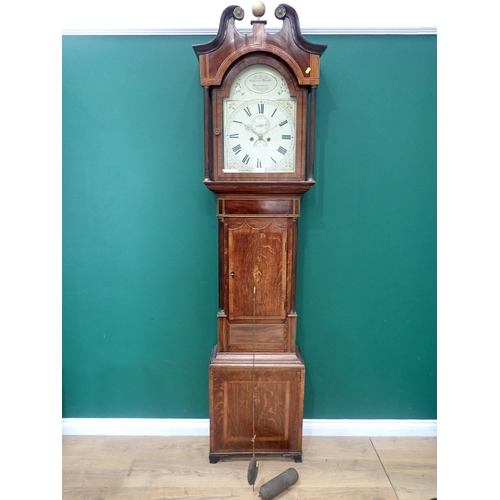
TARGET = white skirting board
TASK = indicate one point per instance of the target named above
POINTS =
(201, 427)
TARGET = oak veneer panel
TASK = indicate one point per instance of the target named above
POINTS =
(278, 392)
(257, 268)
(257, 285)
(256, 334)
(265, 207)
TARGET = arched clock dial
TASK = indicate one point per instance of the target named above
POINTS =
(259, 123)
(260, 136)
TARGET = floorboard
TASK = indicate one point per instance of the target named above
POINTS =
(333, 468)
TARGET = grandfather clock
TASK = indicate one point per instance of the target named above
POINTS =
(259, 107)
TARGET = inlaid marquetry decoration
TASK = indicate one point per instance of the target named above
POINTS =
(259, 134)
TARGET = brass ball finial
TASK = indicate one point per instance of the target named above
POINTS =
(258, 9)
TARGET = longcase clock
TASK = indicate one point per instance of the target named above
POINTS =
(259, 110)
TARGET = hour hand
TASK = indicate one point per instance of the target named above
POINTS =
(250, 129)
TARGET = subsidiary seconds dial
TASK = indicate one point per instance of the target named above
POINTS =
(259, 136)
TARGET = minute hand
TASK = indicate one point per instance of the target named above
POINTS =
(281, 123)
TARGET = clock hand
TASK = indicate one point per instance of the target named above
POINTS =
(271, 129)
(260, 137)
(251, 129)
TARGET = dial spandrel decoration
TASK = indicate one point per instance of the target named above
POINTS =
(260, 118)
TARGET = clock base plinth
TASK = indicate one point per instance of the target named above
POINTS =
(265, 394)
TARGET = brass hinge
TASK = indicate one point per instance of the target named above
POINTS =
(284, 304)
(286, 246)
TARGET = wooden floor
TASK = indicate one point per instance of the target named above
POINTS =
(343, 468)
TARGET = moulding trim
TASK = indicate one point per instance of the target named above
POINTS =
(201, 427)
(425, 30)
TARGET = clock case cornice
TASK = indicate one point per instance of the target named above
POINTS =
(299, 62)
(287, 44)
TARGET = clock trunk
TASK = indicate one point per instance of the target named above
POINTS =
(257, 263)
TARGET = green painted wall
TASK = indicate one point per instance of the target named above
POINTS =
(140, 232)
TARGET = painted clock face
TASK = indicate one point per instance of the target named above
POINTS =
(259, 118)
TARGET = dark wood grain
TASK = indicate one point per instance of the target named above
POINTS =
(264, 207)
(260, 186)
(276, 387)
(219, 93)
(218, 55)
(312, 135)
(208, 149)
(257, 257)
(256, 373)
(257, 270)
